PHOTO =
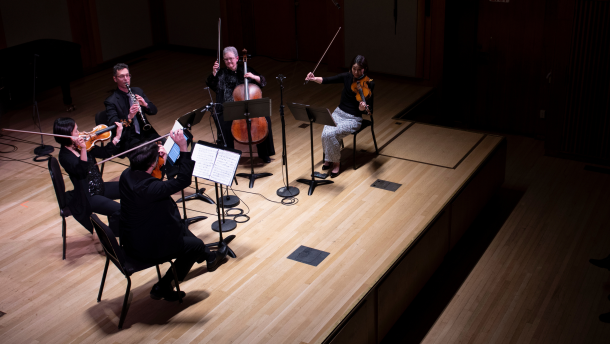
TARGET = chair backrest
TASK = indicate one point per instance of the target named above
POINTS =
(101, 118)
(58, 182)
(108, 240)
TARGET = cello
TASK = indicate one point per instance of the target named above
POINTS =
(258, 126)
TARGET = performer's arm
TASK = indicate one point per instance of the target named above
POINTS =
(74, 165)
(256, 77)
(111, 148)
(337, 79)
(147, 106)
(212, 82)
(160, 189)
(112, 115)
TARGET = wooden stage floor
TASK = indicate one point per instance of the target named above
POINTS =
(260, 297)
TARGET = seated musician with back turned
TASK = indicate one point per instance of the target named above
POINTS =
(223, 81)
(152, 228)
(347, 116)
(91, 193)
(120, 105)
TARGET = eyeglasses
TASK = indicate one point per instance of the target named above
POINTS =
(230, 58)
(125, 76)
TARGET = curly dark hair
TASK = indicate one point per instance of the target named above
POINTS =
(143, 158)
(118, 67)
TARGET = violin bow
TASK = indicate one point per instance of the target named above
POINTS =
(331, 43)
(37, 133)
(218, 59)
(134, 148)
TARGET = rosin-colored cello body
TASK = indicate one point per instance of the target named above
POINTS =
(258, 126)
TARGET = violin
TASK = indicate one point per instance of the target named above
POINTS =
(258, 126)
(362, 90)
(156, 172)
(99, 133)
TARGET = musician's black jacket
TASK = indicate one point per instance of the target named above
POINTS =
(151, 226)
(117, 108)
(78, 170)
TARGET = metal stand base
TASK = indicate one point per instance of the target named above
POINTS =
(43, 152)
(194, 219)
(313, 183)
(197, 195)
(289, 191)
(253, 177)
(224, 242)
(229, 201)
(227, 225)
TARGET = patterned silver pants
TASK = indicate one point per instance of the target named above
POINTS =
(332, 136)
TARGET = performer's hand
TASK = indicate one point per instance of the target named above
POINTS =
(141, 101)
(162, 153)
(79, 142)
(215, 68)
(311, 77)
(362, 106)
(119, 129)
(253, 77)
(133, 110)
(178, 137)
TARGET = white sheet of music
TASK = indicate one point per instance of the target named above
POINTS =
(214, 164)
(224, 167)
(204, 158)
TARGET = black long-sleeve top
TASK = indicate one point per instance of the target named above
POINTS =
(225, 82)
(151, 226)
(117, 108)
(348, 102)
(86, 178)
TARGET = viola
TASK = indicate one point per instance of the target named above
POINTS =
(156, 172)
(258, 126)
(362, 90)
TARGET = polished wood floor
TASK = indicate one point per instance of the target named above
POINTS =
(530, 283)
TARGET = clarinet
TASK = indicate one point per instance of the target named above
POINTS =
(147, 126)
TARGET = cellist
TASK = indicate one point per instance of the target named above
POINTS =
(223, 81)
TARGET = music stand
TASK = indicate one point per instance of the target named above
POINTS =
(249, 109)
(286, 190)
(211, 163)
(305, 113)
(187, 121)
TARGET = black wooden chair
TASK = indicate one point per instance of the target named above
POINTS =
(101, 118)
(365, 123)
(127, 265)
(60, 193)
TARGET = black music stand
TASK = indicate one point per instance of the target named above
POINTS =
(187, 121)
(305, 113)
(286, 190)
(249, 109)
(222, 225)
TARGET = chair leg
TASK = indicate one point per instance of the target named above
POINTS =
(125, 303)
(354, 150)
(158, 272)
(176, 281)
(99, 295)
(374, 140)
(63, 234)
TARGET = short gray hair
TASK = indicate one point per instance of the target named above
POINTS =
(230, 50)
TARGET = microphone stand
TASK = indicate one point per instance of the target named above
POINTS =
(43, 152)
(284, 191)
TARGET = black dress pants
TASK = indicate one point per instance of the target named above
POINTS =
(193, 250)
(105, 205)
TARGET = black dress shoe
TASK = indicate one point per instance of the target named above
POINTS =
(219, 256)
(605, 318)
(326, 167)
(334, 175)
(169, 294)
(266, 159)
(602, 263)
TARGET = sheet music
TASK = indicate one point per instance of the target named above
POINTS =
(224, 167)
(214, 164)
(204, 158)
